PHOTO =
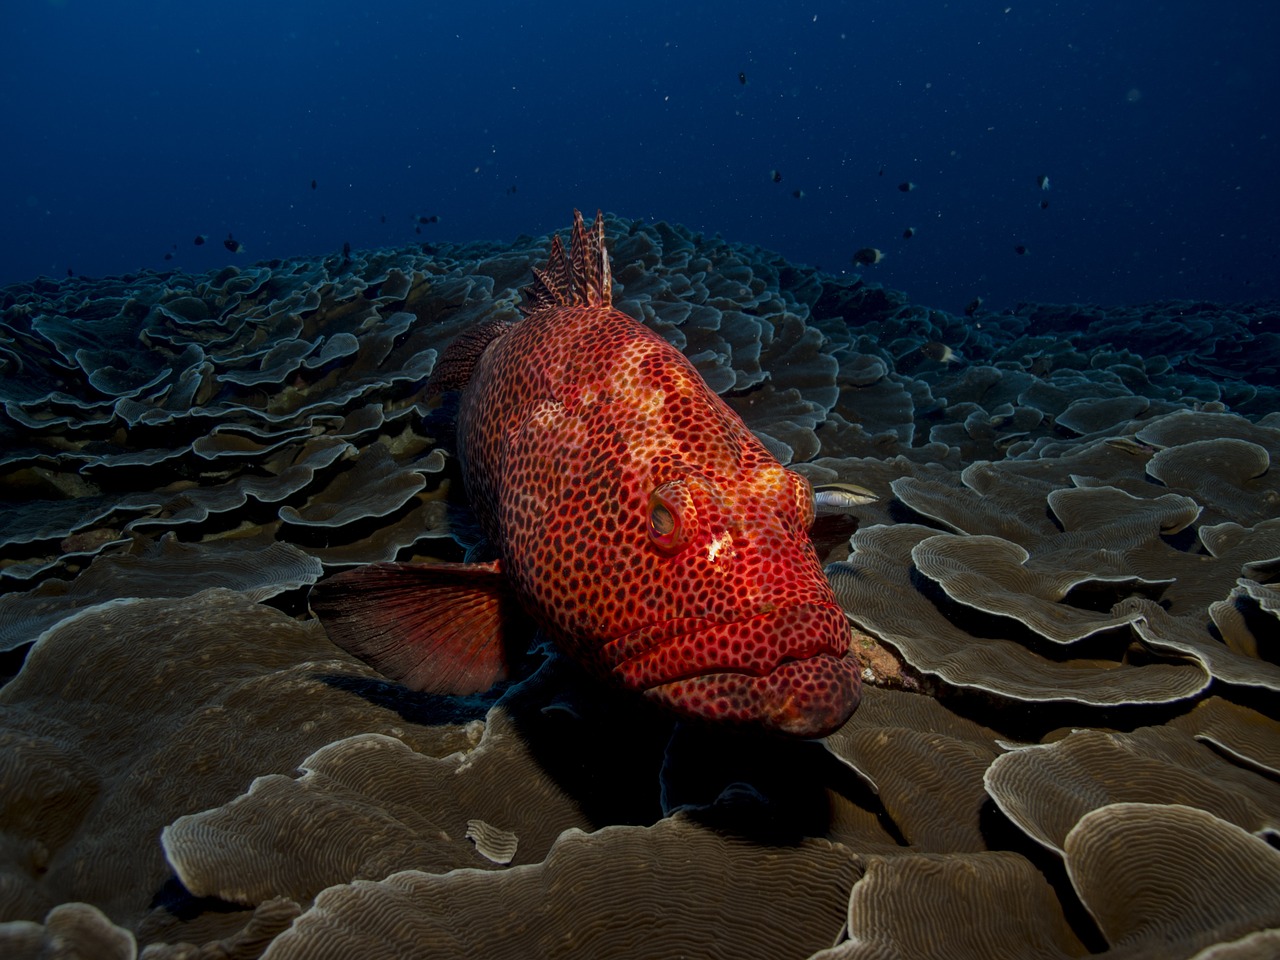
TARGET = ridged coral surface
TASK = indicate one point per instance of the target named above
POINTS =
(1057, 546)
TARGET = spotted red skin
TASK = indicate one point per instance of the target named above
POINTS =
(570, 420)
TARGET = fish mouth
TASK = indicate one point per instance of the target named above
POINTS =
(789, 671)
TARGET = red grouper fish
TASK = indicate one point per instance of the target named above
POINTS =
(636, 519)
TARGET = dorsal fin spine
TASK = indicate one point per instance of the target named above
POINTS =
(581, 277)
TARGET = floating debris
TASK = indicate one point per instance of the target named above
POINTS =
(491, 842)
(868, 256)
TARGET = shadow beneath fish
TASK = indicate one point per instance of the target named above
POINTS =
(766, 789)
(425, 709)
(624, 760)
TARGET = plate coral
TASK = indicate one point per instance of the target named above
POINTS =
(1056, 542)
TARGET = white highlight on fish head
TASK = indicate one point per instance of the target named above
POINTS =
(718, 545)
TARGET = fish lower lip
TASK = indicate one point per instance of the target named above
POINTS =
(802, 698)
(787, 670)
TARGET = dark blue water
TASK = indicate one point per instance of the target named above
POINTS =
(131, 127)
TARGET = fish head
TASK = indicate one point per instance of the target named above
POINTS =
(685, 572)
(739, 624)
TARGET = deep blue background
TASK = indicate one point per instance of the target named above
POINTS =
(132, 126)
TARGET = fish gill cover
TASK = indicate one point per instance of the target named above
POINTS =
(1051, 524)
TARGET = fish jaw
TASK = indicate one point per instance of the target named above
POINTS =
(802, 698)
(790, 670)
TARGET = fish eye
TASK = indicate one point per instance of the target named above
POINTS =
(661, 521)
(670, 516)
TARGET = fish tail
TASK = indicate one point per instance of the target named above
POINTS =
(581, 277)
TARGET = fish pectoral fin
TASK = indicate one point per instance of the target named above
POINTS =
(453, 370)
(435, 627)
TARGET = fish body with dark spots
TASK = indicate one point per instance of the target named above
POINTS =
(636, 519)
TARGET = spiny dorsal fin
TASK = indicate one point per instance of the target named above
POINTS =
(551, 285)
(579, 278)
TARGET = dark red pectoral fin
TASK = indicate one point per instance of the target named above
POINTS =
(453, 370)
(435, 627)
